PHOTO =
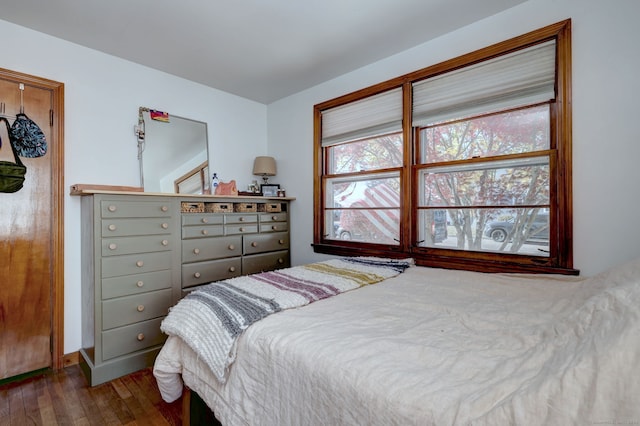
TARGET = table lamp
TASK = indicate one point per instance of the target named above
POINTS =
(265, 167)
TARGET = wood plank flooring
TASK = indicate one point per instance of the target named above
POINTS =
(65, 398)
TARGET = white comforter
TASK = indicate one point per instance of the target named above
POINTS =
(435, 347)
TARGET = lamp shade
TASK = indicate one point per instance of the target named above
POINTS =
(264, 166)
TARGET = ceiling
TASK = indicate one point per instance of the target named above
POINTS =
(262, 50)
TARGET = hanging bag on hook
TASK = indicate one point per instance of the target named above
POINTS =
(27, 138)
(11, 174)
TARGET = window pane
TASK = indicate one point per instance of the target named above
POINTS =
(499, 183)
(518, 231)
(366, 210)
(370, 154)
(513, 132)
(378, 226)
(433, 227)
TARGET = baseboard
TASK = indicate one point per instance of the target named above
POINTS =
(71, 359)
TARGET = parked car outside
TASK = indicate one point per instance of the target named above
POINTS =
(499, 230)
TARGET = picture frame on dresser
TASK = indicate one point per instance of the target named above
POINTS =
(269, 189)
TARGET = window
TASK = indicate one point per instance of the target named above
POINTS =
(363, 153)
(488, 169)
(464, 164)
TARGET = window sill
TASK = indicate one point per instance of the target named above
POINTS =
(527, 265)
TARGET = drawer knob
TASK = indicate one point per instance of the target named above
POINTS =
(140, 284)
(274, 227)
(281, 261)
(196, 251)
(232, 269)
(242, 229)
(205, 220)
(112, 227)
(112, 208)
(140, 337)
(280, 241)
(274, 217)
(165, 242)
(165, 225)
(205, 232)
(254, 244)
(164, 208)
(197, 275)
(140, 308)
(241, 219)
(232, 247)
(113, 246)
(139, 263)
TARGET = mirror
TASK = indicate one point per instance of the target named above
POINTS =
(173, 152)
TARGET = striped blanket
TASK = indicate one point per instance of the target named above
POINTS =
(211, 318)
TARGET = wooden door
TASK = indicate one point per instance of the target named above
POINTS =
(30, 235)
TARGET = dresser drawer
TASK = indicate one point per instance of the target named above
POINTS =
(116, 266)
(202, 231)
(273, 227)
(209, 271)
(129, 245)
(135, 284)
(117, 208)
(120, 227)
(131, 338)
(260, 243)
(273, 217)
(139, 307)
(265, 262)
(240, 228)
(202, 219)
(200, 249)
(239, 218)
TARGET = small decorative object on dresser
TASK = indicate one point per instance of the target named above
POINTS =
(270, 190)
(227, 188)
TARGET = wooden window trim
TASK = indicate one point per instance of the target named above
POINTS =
(560, 260)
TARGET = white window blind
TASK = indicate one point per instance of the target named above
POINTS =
(520, 78)
(369, 117)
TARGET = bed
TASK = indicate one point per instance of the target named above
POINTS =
(432, 346)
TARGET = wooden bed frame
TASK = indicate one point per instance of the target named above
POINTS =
(195, 411)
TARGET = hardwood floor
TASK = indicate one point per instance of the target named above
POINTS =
(65, 398)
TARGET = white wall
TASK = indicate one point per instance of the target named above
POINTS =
(102, 96)
(606, 151)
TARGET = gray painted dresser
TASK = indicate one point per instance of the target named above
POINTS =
(142, 252)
